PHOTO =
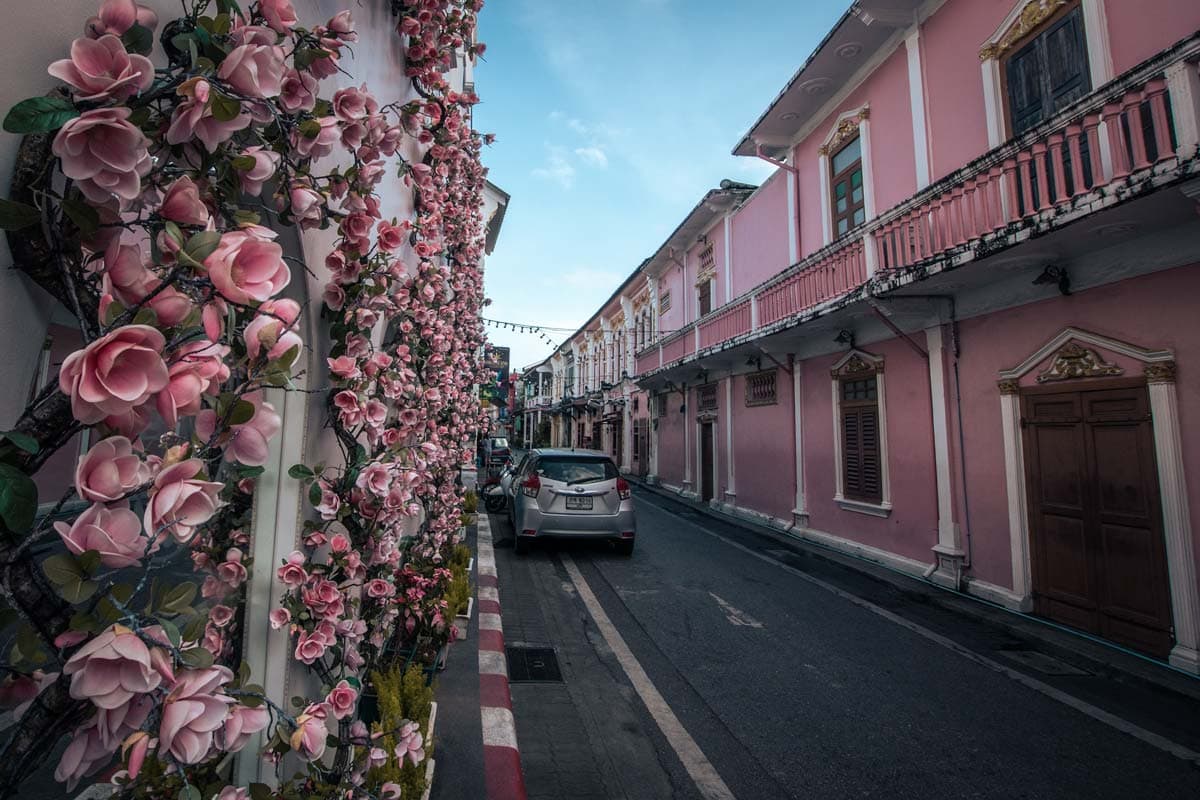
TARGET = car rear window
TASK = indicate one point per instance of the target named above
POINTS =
(499, 442)
(577, 470)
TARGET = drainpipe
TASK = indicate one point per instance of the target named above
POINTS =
(758, 153)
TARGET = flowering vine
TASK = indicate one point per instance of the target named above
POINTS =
(154, 224)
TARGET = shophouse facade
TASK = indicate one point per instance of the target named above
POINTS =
(954, 332)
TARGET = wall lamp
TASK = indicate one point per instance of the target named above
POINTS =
(845, 337)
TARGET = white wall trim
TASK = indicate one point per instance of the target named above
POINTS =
(792, 220)
(887, 558)
(1168, 446)
(947, 529)
(801, 507)
(730, 489)
(728, 262)
(916, 97)
(1018, 514)
(826, 209)
(995, 594)
(884, 507)
(826, 159)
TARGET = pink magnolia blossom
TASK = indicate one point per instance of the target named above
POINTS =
(334, 296)
(279, 14)
(193, 712)
(118, 16)
(193, 118)
(298, 91)
(310, 647)
(254, 70)
(115, 533)
(182, 203)
(308, 739)
(181, 501)
(231, 571)
(292, 572)
(410, 744)
(116, 724)
(280, 617)
(344, 367)
(109, 470)
(307, 206)
(242, 723)
(352, 104)
(220, 615)
(245, 266)
(115, 373)
(248, 441)
(342, 26)
(266, 162)
(101, 69)
(84, 756)
(328, 509)
(327, 136)
(104, 153)
(112, 669)
(341, 700)
(274, 329)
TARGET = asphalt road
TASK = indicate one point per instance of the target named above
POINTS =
(791, 690)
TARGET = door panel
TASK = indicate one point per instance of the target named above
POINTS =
(1099, 559)
(706, 461)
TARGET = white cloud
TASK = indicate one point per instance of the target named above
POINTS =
(557, 168)
(555, 116)
(592, 156)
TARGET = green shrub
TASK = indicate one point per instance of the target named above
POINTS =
(460, 556)
(470, 502)
(458, 594)
(402, 696)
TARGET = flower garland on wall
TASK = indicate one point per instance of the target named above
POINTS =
(154, 237)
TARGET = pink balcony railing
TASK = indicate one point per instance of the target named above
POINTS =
(676, 348)
(728, 322)
(1103, 143)
(647, 360)
(831, 275)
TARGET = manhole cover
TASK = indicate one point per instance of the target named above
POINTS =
(532, 665)
(1048, 665)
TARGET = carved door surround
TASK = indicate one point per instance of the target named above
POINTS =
(1075, 359)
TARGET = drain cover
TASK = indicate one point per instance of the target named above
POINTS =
(1043, 663)
(532, 665)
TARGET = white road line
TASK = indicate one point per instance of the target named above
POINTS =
(735, 615)
(697, 765)
(490, 622)
(498, 727)
(1096, 713)
(492, 662)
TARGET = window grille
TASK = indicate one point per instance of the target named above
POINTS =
(760, 389)
(706, 397)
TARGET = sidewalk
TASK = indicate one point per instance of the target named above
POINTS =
(1092, 655)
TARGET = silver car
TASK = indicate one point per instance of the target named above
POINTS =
(570, 493)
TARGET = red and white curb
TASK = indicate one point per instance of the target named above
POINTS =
(501, 757)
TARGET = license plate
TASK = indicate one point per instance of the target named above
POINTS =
(579, 503)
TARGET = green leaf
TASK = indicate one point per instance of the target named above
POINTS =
(178, 599)
(84, 622)
(260, 791)
(40, 114)
(196, 658)
(244, 217)
(189, 792)
(250, 701)
(314, 493)
(195, 628)
(15, 216)
(224, 108)
(305, 56)
(138, 39)
(309, 129)
(89, 562)
(146, 316)
(288, 359)
(298, 471)
(242, 413)
(85, 216)
(171, 630)
(243, 163)
(250, 472)
(18, 499)
(77, 591)
(201, 245)
(22, 440)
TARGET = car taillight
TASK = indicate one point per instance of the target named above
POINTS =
(530, 486)
(623, 489)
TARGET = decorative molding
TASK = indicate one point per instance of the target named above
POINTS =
(1030, 17)
(855, 363)
(1073, 361)
(1009, 386)
(1163, 372)
(704, 277)
(1087, 338)
(845, 129)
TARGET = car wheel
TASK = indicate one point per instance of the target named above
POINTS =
(625, 547)
(521, 545)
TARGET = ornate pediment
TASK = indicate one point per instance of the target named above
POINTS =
(856, 363)
(1030, 17)
(1074, 360)
(847, 129)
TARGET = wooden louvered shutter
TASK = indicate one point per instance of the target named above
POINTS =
(861, 455)
(1047, 73)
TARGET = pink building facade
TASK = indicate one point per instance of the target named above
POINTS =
(955, 331)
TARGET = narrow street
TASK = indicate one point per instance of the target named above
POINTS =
(795, 676)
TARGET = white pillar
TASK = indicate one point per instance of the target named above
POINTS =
(792, 225)
(687, 443)
(916, 99)
(1183, 86)
(948, 550)
(1014, 481)
(731, 490)
(728, 258)
(1177, 519)
(800, 511)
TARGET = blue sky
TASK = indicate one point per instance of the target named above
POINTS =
(612, 120)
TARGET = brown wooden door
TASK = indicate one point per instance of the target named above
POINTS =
(1099, 558)
(706, 461)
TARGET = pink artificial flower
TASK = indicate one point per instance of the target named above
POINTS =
(182, 203)
(341, 700)
(112, 669)
(376, 478)
(307, 206)
(342, 26)
(181, 501)
(193, 118)
(254, 70)
(334, 296)
(137, 745)
(328, 507)
(118, 16)
(231, 571)
(340, 543)
(266, 162)
(115, 533)
(323, 143)
(16, 690)
(83, 756)
(193, 712)
(101, 69)
(280, 617)
(279, 14)
(298, 92)
(292, 572)
(115, 724)
(308, 739)
(220, 615)
(248, 441)
(115, 373)
(410, 743)
(242, 723)
(246, 267)
(274, 328)
(379, 588)
(310, 647)
(391, 237)
(104, 153)
(233, 792)
(344, 367)
(110, 470)
(352, 104)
